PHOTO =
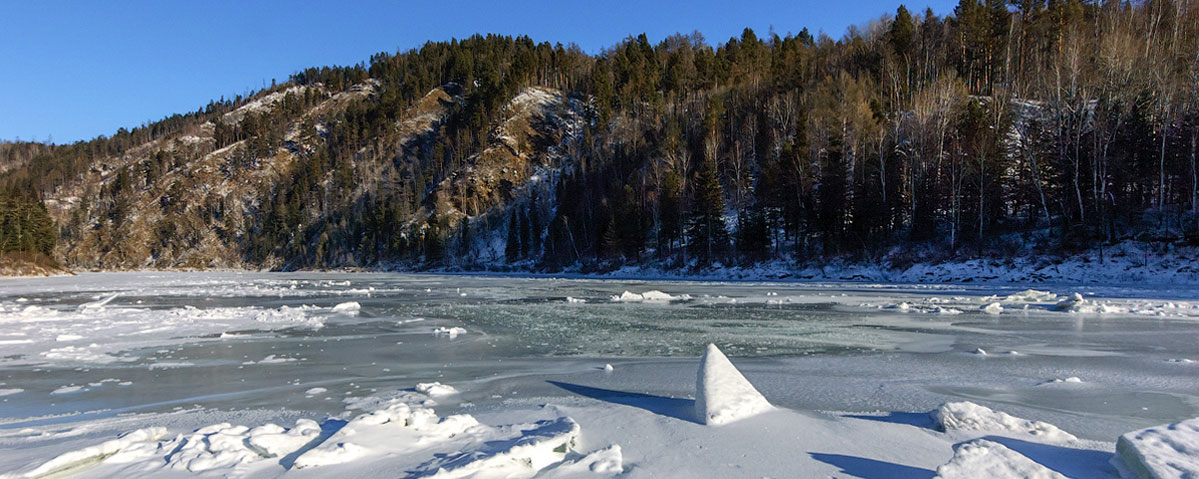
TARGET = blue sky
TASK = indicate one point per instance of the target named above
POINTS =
(72, 70)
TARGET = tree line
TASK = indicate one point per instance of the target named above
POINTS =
(1068, 123)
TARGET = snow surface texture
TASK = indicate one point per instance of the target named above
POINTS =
(1161, 452)
(983, 459)
(396, 434)
(722, 394)
(967, 416)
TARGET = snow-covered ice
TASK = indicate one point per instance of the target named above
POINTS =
(983, 459)
(251, 375)
(968, 416)
(436, 389)
(1161, 452)
(350, 308)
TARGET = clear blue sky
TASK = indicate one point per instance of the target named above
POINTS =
(72, 70)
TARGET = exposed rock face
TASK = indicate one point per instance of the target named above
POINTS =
(182, 202)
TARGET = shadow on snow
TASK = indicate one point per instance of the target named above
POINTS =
(677, 408)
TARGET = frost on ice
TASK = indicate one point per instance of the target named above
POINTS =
(983, 459)
(722, 394)
(1160, 452)
(967, 416)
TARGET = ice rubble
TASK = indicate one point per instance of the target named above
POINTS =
(1161, 452)
(992, 308)
(652, 296)
(967, 416)
(96, 332)
(402, 435)
(983, 459)
(436, 389)
(722, 394)
(451, 332)
(1031, 296)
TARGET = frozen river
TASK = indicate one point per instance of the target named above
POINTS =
(85, 358)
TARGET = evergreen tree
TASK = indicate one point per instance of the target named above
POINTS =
(706, 231)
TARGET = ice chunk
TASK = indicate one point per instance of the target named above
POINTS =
(574, 300)
(99, 304)
(628, 297)
(315, 391)
(450, 332)
(1160, 452)
(722, 394)
(656, 295)
(967, 416)
(650, 296)
(608, 368)
(983, 459)
(538, 447)
(1031, 296)
(1073, 303)
(992, 308)
(126, 448)
(349, 308)
(68, 389)
(436, 389)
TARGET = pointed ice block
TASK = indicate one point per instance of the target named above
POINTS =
(722, 394)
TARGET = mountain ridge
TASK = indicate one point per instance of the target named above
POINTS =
(916, 139)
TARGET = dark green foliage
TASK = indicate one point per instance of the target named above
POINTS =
(707, 235)
(25, 226)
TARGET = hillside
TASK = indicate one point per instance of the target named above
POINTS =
(991, 133)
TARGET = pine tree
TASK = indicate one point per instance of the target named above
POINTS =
(706, 231)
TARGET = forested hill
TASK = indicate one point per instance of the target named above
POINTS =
(996, 131)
